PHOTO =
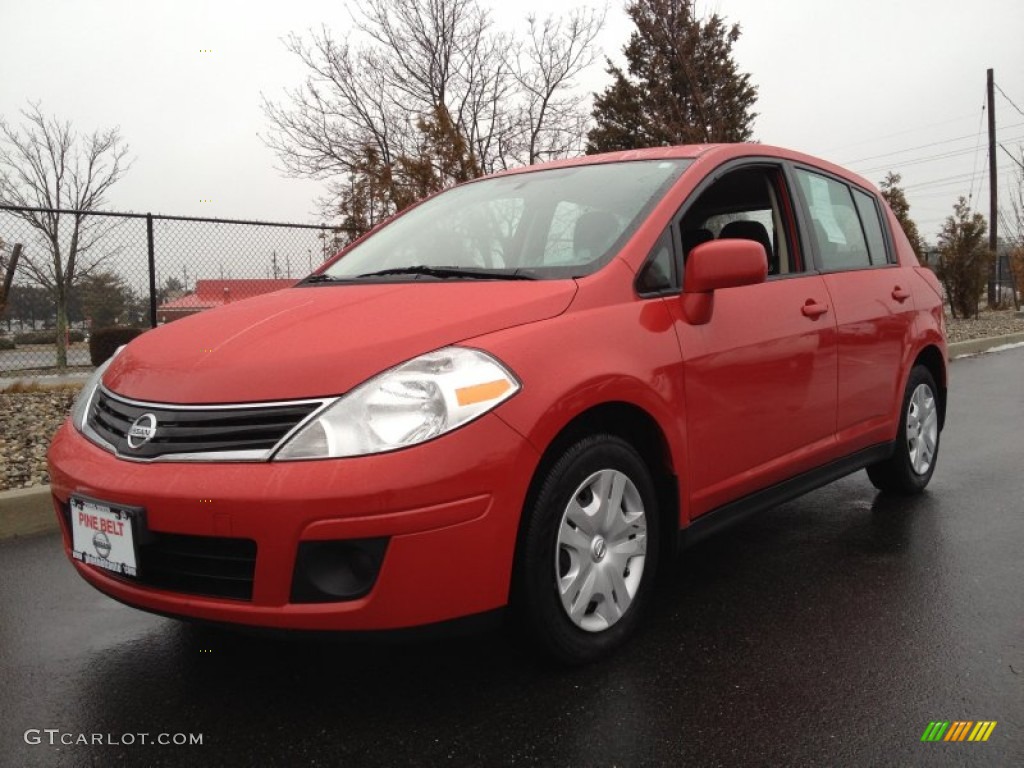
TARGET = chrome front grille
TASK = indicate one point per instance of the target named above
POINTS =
(198, 433)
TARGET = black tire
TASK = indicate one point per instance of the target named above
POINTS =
(545, 562)
(904, 472)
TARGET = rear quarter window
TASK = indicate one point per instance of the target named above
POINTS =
(867, 207)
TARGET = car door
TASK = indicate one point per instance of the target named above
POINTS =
(760, 374)
(872, 302)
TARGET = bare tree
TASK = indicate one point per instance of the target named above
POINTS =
(1013, 226)
(422, 58)
(428, 83)
(46, 165)
(442, 56)
(554, 115)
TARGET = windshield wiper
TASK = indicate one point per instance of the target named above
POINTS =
(449, 272)
(321, 278)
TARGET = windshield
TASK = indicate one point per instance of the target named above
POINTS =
(563, 222)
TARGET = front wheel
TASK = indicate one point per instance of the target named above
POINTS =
(912, 463)
(589, 550)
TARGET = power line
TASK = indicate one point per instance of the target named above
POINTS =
(906, 149)
(900, 133)
(932, 191)
(929, 144)
(974, 171)
(945, 180)
(1018, 162)
(1009, 221)
(928, 159)
(1007, 98)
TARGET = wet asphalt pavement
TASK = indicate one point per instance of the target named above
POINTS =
(829, 631)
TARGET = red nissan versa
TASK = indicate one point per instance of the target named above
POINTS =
(523, 391)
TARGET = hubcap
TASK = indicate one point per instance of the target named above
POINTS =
(922, 429)
(602, 546)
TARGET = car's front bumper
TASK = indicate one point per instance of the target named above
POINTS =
(448, 509)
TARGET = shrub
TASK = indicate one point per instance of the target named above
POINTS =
(964, 259)
(28, 387)
(6, 343)
(105, 341)
(35, 337)
(1017, 267)
(46, 337)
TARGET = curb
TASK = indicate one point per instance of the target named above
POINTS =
(29, 511)
(26, 512)
(977, 346)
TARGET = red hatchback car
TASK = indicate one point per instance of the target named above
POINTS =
(524, 391)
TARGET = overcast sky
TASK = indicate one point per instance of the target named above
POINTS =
(873, 85)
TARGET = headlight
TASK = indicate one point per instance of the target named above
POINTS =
(417, 401)
(80, 410)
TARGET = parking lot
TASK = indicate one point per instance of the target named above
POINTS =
(829, 631)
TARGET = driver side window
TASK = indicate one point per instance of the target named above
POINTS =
(749, 204)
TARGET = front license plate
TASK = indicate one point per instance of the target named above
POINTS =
(103, 535)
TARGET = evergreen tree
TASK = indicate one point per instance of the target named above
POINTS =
(897, 199)
(682, 84)
(103, 298)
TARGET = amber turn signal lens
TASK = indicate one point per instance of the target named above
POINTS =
(480, 393)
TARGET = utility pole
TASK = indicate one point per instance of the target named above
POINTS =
(993, 207)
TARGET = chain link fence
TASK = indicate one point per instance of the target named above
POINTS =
(1003, 290)
(66, 274)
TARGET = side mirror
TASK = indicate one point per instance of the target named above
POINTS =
(719, 264)
(725, 264)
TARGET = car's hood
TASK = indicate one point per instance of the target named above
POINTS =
(319, 341)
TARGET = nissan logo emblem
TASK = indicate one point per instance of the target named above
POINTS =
(101, 543)
(142, 430)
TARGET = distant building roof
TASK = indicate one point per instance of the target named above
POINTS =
(215, 293)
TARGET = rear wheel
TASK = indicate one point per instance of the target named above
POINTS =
(589, 550)
(912, 463)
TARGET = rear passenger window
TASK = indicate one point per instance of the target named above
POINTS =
(868, 211)
(835, 222)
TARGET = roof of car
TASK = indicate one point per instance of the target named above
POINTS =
(712, 154)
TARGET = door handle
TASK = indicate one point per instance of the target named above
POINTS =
(813, 309)
(899, 294)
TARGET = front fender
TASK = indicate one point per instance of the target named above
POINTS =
(591, 356)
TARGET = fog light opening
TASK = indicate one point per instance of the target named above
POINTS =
(334, 571)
